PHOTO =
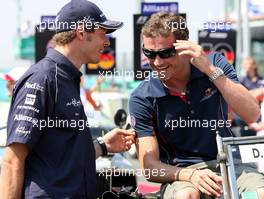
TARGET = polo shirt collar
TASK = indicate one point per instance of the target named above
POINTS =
(68, 66)
(157, 89)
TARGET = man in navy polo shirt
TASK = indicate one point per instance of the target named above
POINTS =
(50, 152)
(176, 115)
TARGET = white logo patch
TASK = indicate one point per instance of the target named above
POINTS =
(133, 120)
(30, 99)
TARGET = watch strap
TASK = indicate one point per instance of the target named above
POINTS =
(101, 142)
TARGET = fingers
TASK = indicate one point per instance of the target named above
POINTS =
(211, 187)
(128, 132)
(187, 48)
(215, 177)
(208, 182)
(181, 46)
(128, 145)
(187, 52)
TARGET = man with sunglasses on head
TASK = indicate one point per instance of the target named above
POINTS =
(49, 154)
(176, 115)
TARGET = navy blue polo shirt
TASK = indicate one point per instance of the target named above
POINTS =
(61, 163)
(185, 130)
(250, 85)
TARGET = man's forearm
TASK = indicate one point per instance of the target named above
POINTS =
(11, 181)
(156, 171)
(238, 98)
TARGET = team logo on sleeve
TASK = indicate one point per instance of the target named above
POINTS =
(133, 120)
(34, 86)
(30, 99)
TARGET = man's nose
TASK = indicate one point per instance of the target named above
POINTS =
(158, 61)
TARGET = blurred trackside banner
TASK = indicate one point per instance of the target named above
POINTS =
(141, 65)
(220, 41)
(151, 8)
(43, 42)
(43, 36)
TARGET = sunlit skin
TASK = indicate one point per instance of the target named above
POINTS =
(94, 45)
(176, 69)
(86, 47)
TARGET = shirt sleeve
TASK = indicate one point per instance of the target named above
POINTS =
(142, 116)
(28, 109)
(221, 62)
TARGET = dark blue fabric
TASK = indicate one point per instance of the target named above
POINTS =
(152, 107)
(61, 163)
(78, 12)
(246, 81)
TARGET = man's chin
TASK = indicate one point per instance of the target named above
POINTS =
(95, 61)
(165, 77)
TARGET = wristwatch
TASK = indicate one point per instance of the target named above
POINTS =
(217, 73)
(101, 142)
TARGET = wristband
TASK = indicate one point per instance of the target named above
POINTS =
(102, 145)
(190, 177)
(177, 174)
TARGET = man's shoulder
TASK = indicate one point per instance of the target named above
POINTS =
(42, 70)
(40, 73)
(142, 90)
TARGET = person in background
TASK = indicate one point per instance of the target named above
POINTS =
(255, 84)
(86, 93)
(11, 77)
(252, 80)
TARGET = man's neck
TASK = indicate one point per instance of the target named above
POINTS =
(70, 55)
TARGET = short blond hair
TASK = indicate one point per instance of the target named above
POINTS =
(63, 38)
(162, 24)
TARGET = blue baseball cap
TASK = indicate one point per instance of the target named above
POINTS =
(83, 11)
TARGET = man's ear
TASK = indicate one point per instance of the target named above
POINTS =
(82, 35)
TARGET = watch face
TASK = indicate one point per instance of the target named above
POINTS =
(217, 73)
(100, 140)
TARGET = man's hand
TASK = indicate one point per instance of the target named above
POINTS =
(257, 126)
(197, 56)
(207, 182)
(258, 93)
(119, 140)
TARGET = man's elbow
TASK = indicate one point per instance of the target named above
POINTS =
(13, 163)
(15, 156)
(253, 116)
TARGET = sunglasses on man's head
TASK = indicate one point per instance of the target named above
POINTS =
(162, 53)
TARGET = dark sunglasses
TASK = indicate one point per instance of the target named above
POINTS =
(162, 53)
